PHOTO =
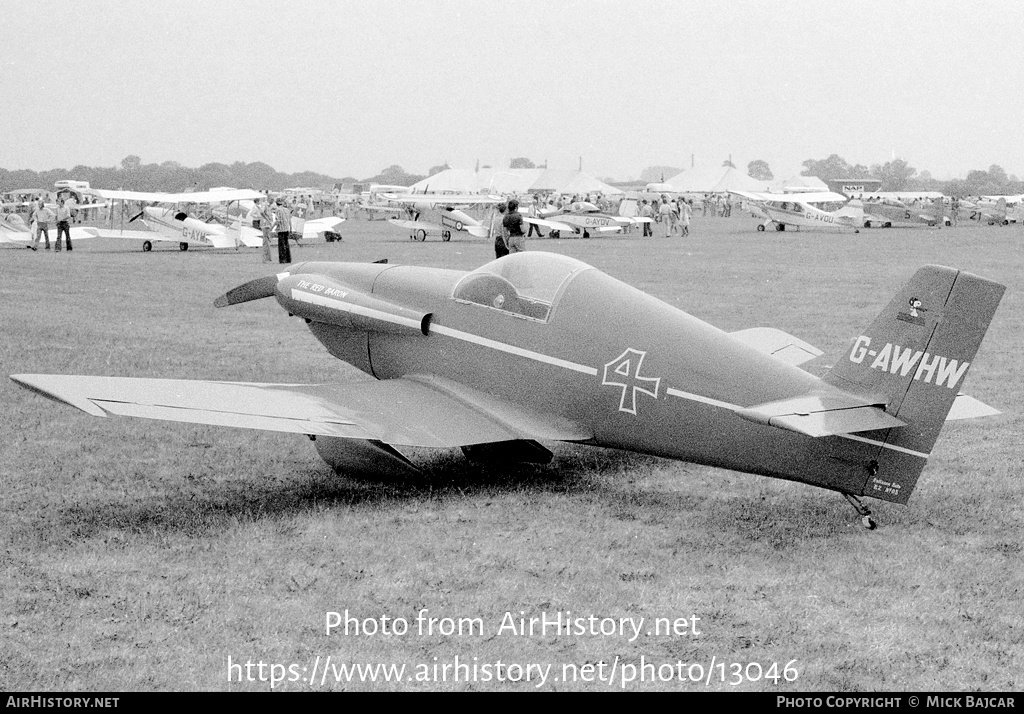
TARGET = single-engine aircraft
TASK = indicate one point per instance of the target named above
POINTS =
(538, 347)
(799, 210)
(991, 210)
(584, 217)
(439, 214)
(173, 225)
(177, 226)
(885, 211)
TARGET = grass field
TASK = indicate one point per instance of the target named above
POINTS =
(142, 555)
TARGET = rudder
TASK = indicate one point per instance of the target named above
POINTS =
(914, 358)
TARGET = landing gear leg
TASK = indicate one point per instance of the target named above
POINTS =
(863, 511)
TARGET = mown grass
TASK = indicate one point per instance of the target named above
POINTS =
(141, 555)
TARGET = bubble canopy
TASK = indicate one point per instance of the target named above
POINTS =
(525, 284)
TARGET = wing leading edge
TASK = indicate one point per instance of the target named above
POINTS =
(422, 411)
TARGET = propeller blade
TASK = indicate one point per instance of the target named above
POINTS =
(252, 290)
(136, 216)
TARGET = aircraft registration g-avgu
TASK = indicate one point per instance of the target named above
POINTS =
(801, 210)
(538, 347)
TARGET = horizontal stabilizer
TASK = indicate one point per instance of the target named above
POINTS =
(822, 415)
(967, 407)
(778, 344)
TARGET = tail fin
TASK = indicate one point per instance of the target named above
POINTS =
(913, 358)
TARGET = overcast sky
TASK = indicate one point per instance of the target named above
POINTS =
(351, 87)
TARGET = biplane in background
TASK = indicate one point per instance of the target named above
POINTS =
(538, 347)
(169, 220)
(822, 210)
(172, 221)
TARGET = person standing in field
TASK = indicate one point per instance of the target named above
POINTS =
(513, 224)
(646, 212)
(498, 231)
(41, 216)
(283, 228)
(261, 217)
(63, 225)
(665, 213)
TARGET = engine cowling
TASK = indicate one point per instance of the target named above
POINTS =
(318, 298)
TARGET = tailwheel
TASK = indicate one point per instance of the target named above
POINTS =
(863, 511)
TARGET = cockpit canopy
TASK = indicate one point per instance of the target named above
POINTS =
(525, 284)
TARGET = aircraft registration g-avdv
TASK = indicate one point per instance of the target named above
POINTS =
(802, 210)
(538, 347)
(583, 217)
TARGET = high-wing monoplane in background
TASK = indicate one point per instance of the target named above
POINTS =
(818, 211)
(440, 214)
(537, 347)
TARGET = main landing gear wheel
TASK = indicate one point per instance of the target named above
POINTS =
(421, 235)
(446, 236)
(863, 511)
(182, 246)
(760, 227)
(147, 246)
(780, 227)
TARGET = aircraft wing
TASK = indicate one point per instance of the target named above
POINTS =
(442, 199)
(76, 233)
(422, 410)
(552, 225)
(808, 197)
(415, 225)
(778, 344)
(223, 196)
(319, 226)
(101, 232)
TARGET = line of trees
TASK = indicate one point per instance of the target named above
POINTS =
(898, 175)
(170, 176)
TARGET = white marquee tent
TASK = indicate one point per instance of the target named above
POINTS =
(717, 179)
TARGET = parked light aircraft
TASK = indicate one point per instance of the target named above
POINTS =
(800, 210)
(583, 218)
(885, 211)
(177, 226)
(440, 214)
(991, 210)
(538, 347)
